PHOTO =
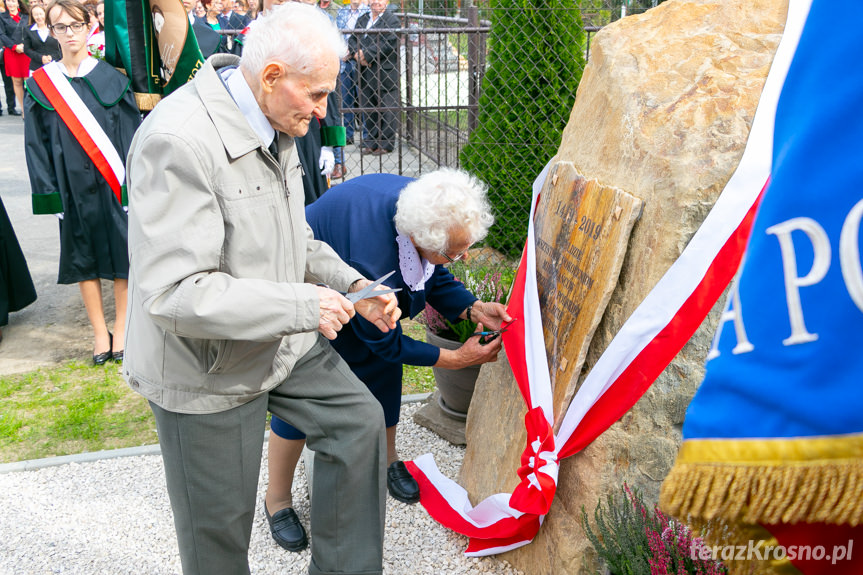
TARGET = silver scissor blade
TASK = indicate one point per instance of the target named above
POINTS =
(366, 292)
(377, 282)
(360, 295)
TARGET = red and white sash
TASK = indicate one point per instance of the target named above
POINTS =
(644, 346)
(80, 121)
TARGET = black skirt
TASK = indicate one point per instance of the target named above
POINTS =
(16, 286)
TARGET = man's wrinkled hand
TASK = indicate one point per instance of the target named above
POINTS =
(336, 311)
(382, 310)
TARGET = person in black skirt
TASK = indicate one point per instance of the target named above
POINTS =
(39, 44)
(13, 22)
(8, 88)
(16, 286)
(65, 181)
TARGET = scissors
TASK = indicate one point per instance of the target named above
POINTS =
(488, 336)
(370, 291)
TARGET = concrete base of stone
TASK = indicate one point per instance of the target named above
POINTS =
(432, 417)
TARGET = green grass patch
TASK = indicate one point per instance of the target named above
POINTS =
(73, 408)
(416, 379)
(77, 407)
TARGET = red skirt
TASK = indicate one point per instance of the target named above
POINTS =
(17, 65)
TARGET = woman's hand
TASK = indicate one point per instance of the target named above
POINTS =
(383, 310)
(472, 352)
(19, 48)
(489, 314)
(46, 59)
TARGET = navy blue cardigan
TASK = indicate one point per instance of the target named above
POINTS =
(356, 219)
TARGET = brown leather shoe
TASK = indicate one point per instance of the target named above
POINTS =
(381, 152)
(367, 150)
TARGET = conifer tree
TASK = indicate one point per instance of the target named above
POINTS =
(536, 58)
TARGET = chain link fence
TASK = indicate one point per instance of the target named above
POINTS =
(485, 86)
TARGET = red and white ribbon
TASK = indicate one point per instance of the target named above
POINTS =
(645, 344)
(83, 125)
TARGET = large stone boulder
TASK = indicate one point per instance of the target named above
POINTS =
(663, 112)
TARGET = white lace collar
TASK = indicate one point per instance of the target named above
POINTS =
(415, 269)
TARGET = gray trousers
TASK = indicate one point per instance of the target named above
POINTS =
(212, 463)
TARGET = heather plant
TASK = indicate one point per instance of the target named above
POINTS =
(634, 540)
(485, 283)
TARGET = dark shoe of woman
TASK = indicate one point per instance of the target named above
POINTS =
(401, 484)
(102, 358)
(286, 529)
(117, 356)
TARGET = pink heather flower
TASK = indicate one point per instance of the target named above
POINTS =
(660, 561)
(434, 320)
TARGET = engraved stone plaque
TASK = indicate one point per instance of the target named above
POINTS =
(582, 233)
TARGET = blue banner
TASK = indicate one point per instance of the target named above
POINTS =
(788, 360)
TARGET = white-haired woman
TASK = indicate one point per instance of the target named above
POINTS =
(378, 223)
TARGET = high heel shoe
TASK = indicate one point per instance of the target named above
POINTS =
(102, 358)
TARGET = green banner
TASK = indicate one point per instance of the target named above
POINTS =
(153, 41)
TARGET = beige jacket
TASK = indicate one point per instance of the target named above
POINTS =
(220, 305)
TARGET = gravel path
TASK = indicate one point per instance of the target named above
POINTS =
(112, 517)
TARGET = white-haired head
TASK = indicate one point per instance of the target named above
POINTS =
(437, 203)
(293, 33)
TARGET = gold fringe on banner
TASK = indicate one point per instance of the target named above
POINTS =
(768, 481)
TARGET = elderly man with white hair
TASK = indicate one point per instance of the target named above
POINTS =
(227, 319)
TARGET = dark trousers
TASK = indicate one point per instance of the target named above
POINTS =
(381, 122)
(212, 463)
(7, 87)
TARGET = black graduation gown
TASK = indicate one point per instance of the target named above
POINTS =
(93, 233)
(209, 41)
(16, 286)
(326, 132)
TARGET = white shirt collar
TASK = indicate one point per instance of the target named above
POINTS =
(85, 67)
(245, 99)
(415, 269)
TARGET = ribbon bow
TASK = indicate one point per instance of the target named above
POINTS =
(539, 467)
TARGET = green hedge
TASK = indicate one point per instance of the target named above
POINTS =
(536, 58)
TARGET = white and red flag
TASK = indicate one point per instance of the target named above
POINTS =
(646, 343)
